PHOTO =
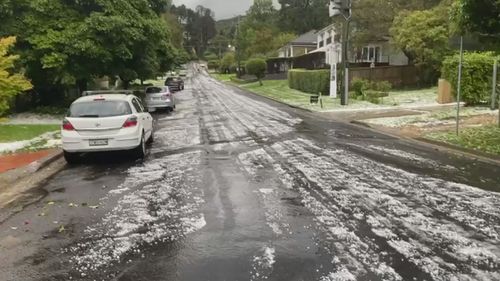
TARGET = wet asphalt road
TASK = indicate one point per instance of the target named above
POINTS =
(240, 188)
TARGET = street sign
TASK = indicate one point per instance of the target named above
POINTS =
(314, 100)
(334, 10)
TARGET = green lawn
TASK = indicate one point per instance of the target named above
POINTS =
(279, 90)
(485, 138)
(11, 133)
(412, 97)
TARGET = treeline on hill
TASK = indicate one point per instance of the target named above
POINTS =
(62, 46)
(427, 31)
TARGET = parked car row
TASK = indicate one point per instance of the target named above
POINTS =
(102, 121)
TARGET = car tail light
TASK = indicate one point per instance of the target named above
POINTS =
(130, 122)
(165, 96)
(67, 126)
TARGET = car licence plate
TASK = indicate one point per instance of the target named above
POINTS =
(98, 142)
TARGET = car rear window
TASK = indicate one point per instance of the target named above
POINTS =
(94, 109)
(154, 90)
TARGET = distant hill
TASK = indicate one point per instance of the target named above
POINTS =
(226, 25)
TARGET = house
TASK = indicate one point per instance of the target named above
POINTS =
(380, 52)
(301, 45)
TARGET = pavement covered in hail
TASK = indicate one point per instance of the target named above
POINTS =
(240, 188)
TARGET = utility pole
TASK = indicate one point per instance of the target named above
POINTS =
(238, 48)
(343, 8)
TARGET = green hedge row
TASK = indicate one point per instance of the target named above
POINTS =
(309, 81)
(477, 73)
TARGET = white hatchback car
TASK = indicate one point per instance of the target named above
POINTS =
(106, 121)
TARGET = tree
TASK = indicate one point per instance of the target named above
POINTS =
(478, 16)
(227, 62)
(199, 27)
(261, 14)
(424, 37)
(372, 19)
(301, 16)
(10, 84)
(66, 42)
(258, 68)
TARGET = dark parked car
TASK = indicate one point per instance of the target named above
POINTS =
(174, 84)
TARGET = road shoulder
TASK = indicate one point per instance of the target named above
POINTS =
(17, 186)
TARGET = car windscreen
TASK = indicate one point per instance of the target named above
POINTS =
(94, 109)
(154, 90)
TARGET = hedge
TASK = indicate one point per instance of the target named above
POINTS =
(310, 81)
(477, 74)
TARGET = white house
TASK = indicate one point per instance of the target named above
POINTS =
(380, 52)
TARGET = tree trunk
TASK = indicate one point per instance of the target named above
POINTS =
(82, 85)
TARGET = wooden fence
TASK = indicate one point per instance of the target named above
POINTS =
(398, 76)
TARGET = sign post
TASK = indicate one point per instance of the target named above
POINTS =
(344, 8)
(459, 86)
(333, 72)
(494, 86)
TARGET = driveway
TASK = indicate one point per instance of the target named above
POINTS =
(237, 187)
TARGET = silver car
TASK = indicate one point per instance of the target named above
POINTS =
(159, 98)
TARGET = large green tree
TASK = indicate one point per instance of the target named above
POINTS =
(479, 16)
(372, 19)
(64, 42)
(258, 33)
(199, 27)
(424, 37)
(300, 16)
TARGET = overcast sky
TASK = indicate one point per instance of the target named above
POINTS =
(223, 8)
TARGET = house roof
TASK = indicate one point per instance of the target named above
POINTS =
(331, 26)
(305, 39)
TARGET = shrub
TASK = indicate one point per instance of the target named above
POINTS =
(359, 85)
(213, 64)
(370, 91)
(309, 81)
(50, 110)
(227, 64)
(257, 67)
(381, 86)
(476, 76)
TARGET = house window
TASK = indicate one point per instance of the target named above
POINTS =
(329, 41)
(371, 54)
(321, 44)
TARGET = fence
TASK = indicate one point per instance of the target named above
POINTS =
(398, 76)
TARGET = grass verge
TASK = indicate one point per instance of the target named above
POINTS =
(484, 138)
(278, 90)
(12, 133)
(411, 97)
(223, 77)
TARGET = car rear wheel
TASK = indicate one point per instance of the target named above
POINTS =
(71, 157)
(140, 150)
(151, 138)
